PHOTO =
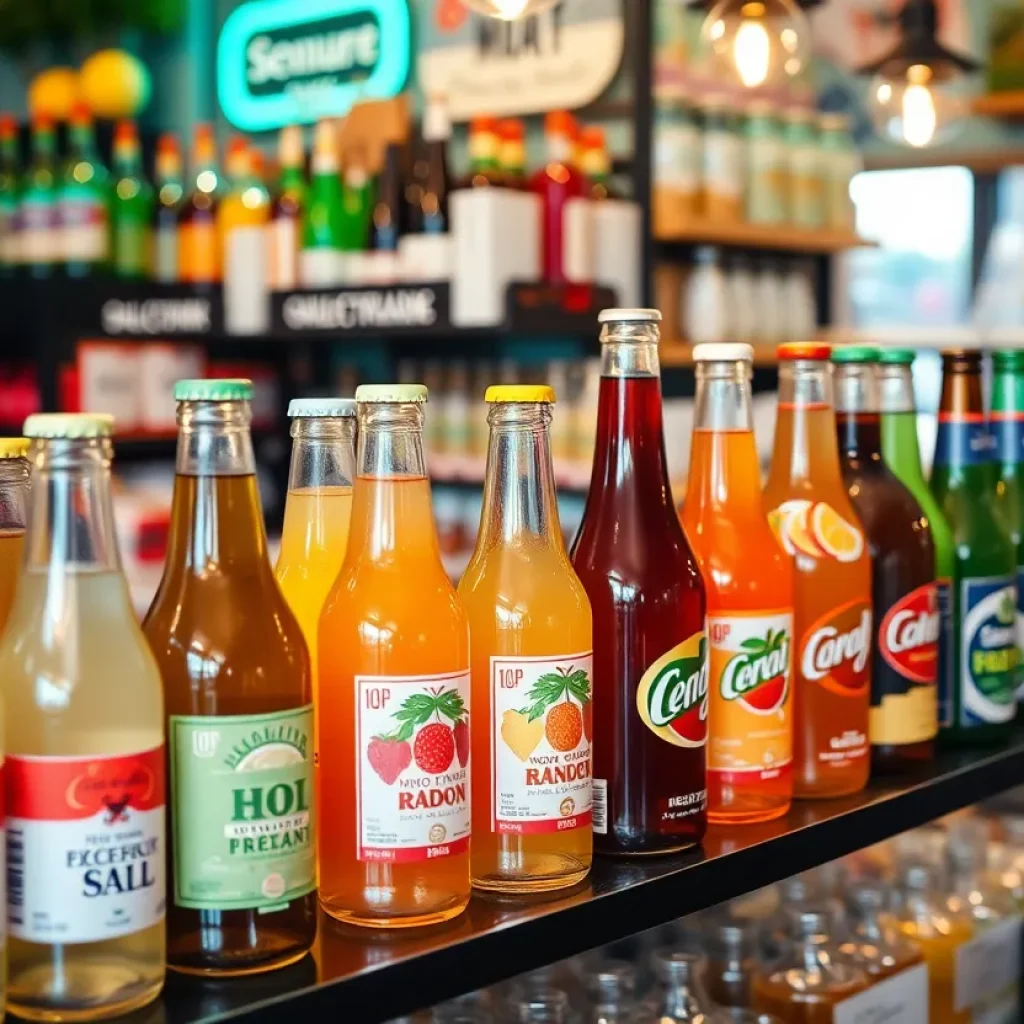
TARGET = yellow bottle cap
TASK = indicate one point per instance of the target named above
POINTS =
(501, 393)
(69, 425)
(383, 393)
(13, 447)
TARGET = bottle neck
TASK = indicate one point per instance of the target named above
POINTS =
(81, 143)
(1008, 418)
(43, 147)
(963, 448)
(630, 350)
(723, 397)
(857, 413)
(519, 497)
(127, 163)
(805, 447)
(71, 517)
(323, 453)
(9, 155)
(214, 439)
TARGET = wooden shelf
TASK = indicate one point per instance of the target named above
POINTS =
(1009, 104)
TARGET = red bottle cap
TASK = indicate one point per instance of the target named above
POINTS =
(124, 131)
(561, 122)
(167, 143)
(592, 137)
(804, 350)
(80, 113)
(484, 125)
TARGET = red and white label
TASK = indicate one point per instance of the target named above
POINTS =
(541, 727)
(835, 650)
(85, 846)
(412, 767)
(909, 635)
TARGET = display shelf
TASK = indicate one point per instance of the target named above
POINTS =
(373, 977)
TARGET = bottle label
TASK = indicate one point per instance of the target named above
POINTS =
(85, 846)
(751, 659)
(1007, 429)
(987, 966)
(963, 440)
(129, 247)
(242, 788)
(672, 697)
(412, 767)
(899, 999)
(83, 226)
(541, 729)
(198, 253)
(904, 696)
(320, 267)
(39, 238)
(988, 650)
(947, 654)
(165, 254)
(284, 254)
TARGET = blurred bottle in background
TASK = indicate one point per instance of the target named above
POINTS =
(131, 210)
(287, 211)
(163, 259)
(83, 204)
(199, 249)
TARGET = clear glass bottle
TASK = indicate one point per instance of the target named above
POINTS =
(83, 698)
(15, 479)
(239, 701)
(679, 994)
(731, 963)
(549, 1006)
(872, 943)
(611, 994)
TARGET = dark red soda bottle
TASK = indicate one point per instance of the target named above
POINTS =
(647, 596)
(903, 720)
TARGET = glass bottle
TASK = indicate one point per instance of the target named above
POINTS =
(287, 210)
(679, 994)
(484, 149)
(10, 188)
(163, 259)
(386, 219)
(15, 480)
(357, 199)
(649, 608)
(84, 203)
(320, 259)
(239, 699)
(131, 212)
(39, 233)
(437, 134)
(532, 644)
(611, 994)
(873, 943)
(84, 749)
(198, 242)
(731, 962)
(512, 153)
(810, 977)
(394, 692)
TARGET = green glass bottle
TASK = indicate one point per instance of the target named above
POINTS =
(9, 189)
(320, 262)
(132, 206)
(984, 579)
(85, 199)
(38, 215)
(1007, 425)
(901, 451)
(356, 203)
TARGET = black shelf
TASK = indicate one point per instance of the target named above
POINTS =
(369, 977)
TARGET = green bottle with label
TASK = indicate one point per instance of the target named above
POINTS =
(984, 578)
(39, 231)
(320, 263)
(84, 203)
(238, 693)
(132, 206)
(9, 189)
(1007, 426)
(902, 453)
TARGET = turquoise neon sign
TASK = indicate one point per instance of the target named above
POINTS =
(294, 61)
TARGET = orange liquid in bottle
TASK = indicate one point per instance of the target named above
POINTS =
(394, 696)
(11, 544)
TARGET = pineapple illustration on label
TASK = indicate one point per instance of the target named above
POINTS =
(412, 766)
(540, 743)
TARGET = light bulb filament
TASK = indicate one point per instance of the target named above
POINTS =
(752, 53)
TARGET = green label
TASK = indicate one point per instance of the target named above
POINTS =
(242, 809)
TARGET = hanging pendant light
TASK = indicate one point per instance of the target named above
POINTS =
(913, 97)
(509, 10)
(757, 43)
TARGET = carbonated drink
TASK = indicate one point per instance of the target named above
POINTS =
(14, 487)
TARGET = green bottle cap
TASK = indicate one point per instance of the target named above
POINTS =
(69, 425)
(230, 390)
(899, 356)
(1008, 359)
(855, 354)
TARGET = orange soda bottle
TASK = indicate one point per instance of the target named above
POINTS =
(749, 585)
(810, 511)
(394, 692)
(532, 661)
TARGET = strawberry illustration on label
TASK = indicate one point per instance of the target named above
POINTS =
(434, 746)
(389, 758)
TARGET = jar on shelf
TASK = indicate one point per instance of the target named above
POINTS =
(722, 166)
(705, 303)
(678, 149)
(766, 165)
(806, 170)
(840, 161)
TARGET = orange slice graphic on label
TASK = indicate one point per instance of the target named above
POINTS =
(521, 735)
(838, 538)
(778, 520)
(799, 530)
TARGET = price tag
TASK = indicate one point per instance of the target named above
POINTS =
(987, 965)
(901, 999)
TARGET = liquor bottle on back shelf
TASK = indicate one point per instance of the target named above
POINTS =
(810, 511)
(512, 154)
(320, 259)
(84, 202)
(1007, 424)
(904, 719)
(984, 583)
(437, 134)
(10, 187)
(84, 775)
(650, 645)
(901, 451)
(357, 199)
(198, 242)
(238, 696)
(39, 216)
(386, 224)
(131, 211)
(287, 211)
(484, 148)
(163, 260)
(595, 162)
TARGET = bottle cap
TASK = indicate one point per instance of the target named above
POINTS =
(723, 352)
(235, 389)
(561, 122)
(13, 447)
(69, 425)
(635, 316)
(1008, 359)
(803, 350)
(855, 354)
(382, 393)
(897, 356)
(499, 394)
(321, 408)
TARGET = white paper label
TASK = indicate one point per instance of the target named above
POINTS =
(320, 268)
(987, 965)
(541, 726)
(412, 767)
(901, 999)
